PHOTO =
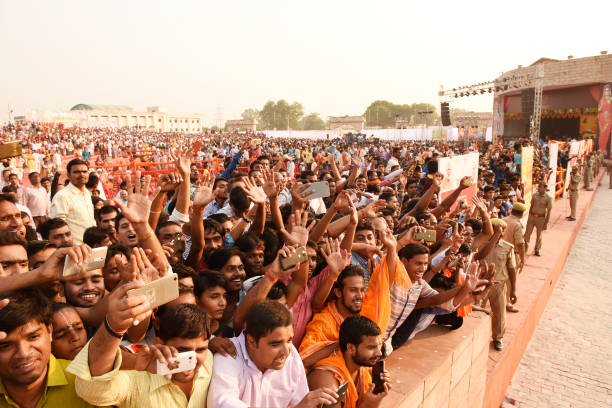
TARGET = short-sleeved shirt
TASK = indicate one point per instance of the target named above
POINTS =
(540, 203)
(503, 257)
(514, 231)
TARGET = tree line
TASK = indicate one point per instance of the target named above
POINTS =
(283, 115)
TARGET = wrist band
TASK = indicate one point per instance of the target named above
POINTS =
(272, 279)
(146, 236)
(111, 331)
(155, 212)
(245, 219)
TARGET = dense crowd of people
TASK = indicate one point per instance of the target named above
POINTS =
(283, 294)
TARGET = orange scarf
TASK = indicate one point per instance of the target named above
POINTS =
(335, 363)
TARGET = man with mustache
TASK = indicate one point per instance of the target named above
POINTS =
(73, 203)
(85, 292)
(359, 350)
(30, 374)
(106, 220)
(10, 216)
(57, 232)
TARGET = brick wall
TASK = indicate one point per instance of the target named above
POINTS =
(442, 368)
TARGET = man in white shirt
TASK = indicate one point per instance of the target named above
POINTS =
(394, 160)
(267, 370)
(73, 203)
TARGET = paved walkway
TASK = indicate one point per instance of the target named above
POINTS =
(568, 362)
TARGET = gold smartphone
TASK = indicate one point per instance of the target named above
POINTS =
(96, 260)
(427, 236)
(10, 149)
(290, 261)
(160, 291)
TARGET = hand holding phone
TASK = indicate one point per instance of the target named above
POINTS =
(427, 236)
(342, 389)
(298, 257)
(184, 362)
(96, 260)
(377, 380)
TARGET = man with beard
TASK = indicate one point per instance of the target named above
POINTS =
(228, 261)
(106, 220)
(57, 232)
(73, 203)
(10, 216)
(359, 350)
(86, 292)
(264, 351)
(30, 374)
(182, 328)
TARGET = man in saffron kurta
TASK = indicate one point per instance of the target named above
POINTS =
(360, 344)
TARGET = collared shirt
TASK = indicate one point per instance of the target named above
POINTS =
(75, 207)
(59, 390)
(212, 208)
(284, 197)
(238, 383)
(503, 257)
(514, 233)
(403, 302)
(130, 388)
(540, 203)
(37, 200)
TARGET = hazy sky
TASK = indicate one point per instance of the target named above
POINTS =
(335, 57)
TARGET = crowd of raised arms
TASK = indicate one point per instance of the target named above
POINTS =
(380, 257)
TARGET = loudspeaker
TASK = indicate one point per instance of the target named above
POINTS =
(445, 114)
(527, 101)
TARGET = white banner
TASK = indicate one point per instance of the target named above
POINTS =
(447, 133)
(553, 152)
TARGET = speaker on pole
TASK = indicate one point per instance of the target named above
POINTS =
(527, 102)
(445, 114)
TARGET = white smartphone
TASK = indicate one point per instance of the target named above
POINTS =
(184, 362)
(160, 291)
(95, 261)
(320, 189)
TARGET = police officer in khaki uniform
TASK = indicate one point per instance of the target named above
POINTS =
(505, 273)
(573, 189)
(539, 215)
(514, 235)
(588, 172)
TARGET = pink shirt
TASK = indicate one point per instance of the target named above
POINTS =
(238, 383)
(37, 200)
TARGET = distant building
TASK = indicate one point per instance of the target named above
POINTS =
(119, 116)
(346, 124)
(241, 124)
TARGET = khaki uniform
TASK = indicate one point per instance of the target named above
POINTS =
(503, 257)
(573, 189)
(540, 204)
(588, 173)
(514, 234)
(609, 167)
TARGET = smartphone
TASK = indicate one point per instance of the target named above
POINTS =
(184, 362)
(428, 236)
(160, 291)
(290, 261)
(341, 391)
(461, 218)
(95, 261)
(377, 370)
(178, 243)
(320, 189)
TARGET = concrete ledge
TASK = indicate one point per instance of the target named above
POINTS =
(447, 369)
(535, 285)
(442, 368)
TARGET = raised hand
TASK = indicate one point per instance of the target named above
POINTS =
(388, 241)
(408, 236)
(52, 269)
(372, 210)
(479, 203)
(124, 310)
(183, 162)
(334, 258)
(437, 181)
(253, 192)
(274, 269)
(147, 357)
(270, 187)
(138, 204)
(204, 193)
(298, 197)
(169, 182)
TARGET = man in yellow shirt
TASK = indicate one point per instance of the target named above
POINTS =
(182, 328)
(30, 376)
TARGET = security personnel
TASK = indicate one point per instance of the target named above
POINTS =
(539, 215)
(573, 189)
(505, 273)
(514, 235)
(588, 173)
(609, 167)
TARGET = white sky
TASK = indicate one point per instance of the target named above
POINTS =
(335, 57)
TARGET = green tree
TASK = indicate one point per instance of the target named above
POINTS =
(384, 113)
(250, 114)
(312, 122)
(281, 115)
